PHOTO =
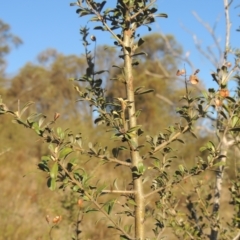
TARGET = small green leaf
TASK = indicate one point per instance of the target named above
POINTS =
(128, 49)
(223, 114)
(236, 129)
(43, 166)
(140, 53)
(90, 210)
(94, 19)
(132, 202)
(75, 188)
(109, 206)
(99, 28)
(164, 15)
(140, 42)
(65, 152)
(234, 121)
(51, 183)
(25, 108)
(117, 67)
(99, 72)
(181, 168)
(54, 171)
(134, 128)
(146, 91)
(231, 99)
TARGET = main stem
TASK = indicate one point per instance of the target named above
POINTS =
(135, 156)
(223, 141)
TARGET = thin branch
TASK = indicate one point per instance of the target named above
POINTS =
(175, 54)
(165, 99)
(118, 161)
(119, 191)
(166, 186)
(228, 26)
(99, 207)
(4, 151)
(140, 11)
(101, 18)
(237, 236)
(186, 128)
(211, 32)
(109, 159)
(147, 72)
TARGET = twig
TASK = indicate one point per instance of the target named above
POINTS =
(175, 54)
(99, 207)
(140, 11)
(168, 101)
(4, 151)
(171, 139)
(210, 30)
(100, 17)
(119, 191)
(237, 236)
(166, 186)
(228, 26)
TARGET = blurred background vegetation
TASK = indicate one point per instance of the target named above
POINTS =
(25, 199)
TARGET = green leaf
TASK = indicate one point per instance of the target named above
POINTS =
(134, 128)
(128, 228)
(132, 202)
(99, 72)
(117, 67)
(101, 6)
(91, 210)
(109, 206)
(108, 10)
(128, 49)
(236, 129)
(234, 121)
(45, 158)
(43, 166)
(75, 188)
(180, 140)
(164, 15)
(99, 28)
(181, 168)
(141, 168)
(54, 171)
(94, 19)
(25, 108)
(51, 183)
(193, 134)
(223, 114)
(140, 42)
(231, 99)
(36, 127)
(140, 53)
(41, 120)
(65, 152)
(146, 91)
(135, 63)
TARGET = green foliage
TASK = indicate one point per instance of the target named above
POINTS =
(131, 173)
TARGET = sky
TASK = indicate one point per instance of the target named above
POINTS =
(54, 24)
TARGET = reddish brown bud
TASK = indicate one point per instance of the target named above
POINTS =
(57, 219)
(80, 202)
(193, 79)
(56, 116)
(224, 93)
(180, 72)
